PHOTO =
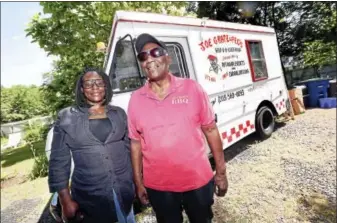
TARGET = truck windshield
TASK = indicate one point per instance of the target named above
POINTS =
(124, 73)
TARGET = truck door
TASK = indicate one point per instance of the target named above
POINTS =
(181, 65)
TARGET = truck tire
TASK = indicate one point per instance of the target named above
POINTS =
(265, 122)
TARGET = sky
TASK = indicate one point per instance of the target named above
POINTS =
(22, 62)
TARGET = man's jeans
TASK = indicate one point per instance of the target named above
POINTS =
(54, 200)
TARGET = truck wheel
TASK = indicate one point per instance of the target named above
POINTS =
(265, 122)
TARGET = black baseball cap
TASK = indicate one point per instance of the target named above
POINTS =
(145, 38)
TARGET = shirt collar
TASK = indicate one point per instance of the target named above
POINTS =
(175, 83)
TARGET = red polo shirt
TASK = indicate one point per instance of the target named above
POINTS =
(173, 144)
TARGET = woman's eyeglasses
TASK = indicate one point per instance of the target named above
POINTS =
(155, 53)
(90, 83)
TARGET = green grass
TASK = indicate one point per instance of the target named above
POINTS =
(16, 165)
(316, 207)
(19, 160)
(11, 156)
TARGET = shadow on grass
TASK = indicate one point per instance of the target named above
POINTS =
(315, 207)
(12, 156)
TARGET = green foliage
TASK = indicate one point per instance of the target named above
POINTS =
(35, 132)
(270, 14)
(21, 102)
(297, 24)
(40, 167)
(322, 51)
(70, 31)
(318, 53)
(317, 21)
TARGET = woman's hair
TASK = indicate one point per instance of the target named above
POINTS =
(80, 98)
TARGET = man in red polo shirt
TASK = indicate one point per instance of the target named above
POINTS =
(168, 118)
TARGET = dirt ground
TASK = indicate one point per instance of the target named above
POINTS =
(290, 177)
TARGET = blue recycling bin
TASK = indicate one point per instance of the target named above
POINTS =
(327, 103)
(317, 88)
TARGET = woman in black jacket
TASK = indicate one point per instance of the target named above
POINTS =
(95, 134)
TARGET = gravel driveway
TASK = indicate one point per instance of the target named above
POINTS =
(290, 177)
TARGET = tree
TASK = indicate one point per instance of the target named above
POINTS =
(21, 102)
(321, 50)
(317, 53)
(301, 27)
(70, 31)
(270, 14)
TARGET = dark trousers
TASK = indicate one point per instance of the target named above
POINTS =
(197, 204)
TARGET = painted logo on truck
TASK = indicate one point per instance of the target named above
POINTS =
(214, 64)
(226, 57)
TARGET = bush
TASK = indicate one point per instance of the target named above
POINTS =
(40, 167)
(35, 132)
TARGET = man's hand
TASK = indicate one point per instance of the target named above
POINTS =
(142, 195)
(215, 144)
(137, 166)
(221, 184)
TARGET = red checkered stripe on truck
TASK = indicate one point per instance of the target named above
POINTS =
(281, 104)
(238, 131)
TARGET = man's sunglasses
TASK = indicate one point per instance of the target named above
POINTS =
(155, 53)
(90, 83)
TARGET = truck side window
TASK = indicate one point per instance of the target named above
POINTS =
(256, 60)
(124, 74)
(178, 65)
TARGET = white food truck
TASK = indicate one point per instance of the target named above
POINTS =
(238, 65)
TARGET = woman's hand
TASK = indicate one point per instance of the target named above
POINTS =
(69, 206)
(69, 209)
